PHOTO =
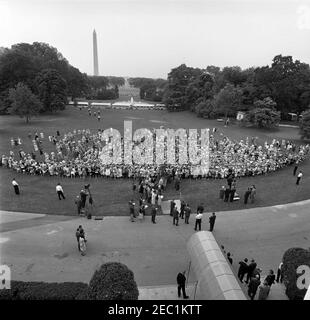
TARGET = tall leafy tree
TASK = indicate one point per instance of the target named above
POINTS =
(179, 78)
(51, 88)
(264, 114)
(23, 102)
(228, 100)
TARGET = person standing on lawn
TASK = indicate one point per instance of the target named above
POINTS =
(16, 186)
(78, 203)
(299, 176)
(295, 168)
(60, 191)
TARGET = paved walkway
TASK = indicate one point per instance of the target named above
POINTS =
(44, 248)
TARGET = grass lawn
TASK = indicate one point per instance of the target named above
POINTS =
(111, 196)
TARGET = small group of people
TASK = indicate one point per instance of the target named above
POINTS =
(253, 278)
(185, 212)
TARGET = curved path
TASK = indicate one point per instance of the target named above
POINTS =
(45, 249)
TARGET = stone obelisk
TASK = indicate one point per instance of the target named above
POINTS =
(95, 49)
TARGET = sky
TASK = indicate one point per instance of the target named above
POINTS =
(147, 38)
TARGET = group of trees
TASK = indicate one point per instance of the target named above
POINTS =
(150, 89)
(41, 73)
(37, 78)
(264, 93)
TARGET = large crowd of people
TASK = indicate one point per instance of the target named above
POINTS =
(77, 154)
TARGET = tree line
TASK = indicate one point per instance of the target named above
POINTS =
(265, 94)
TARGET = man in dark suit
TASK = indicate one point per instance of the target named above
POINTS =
(212, 221)
(172, 205)
(271, 278)
(243, 269)
(252, 266)
(187, 213)
(154, 211)
(181, 279)
(175, 214)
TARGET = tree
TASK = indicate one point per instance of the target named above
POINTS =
(228, 100)
(205, 109)
(24, 61)
(264, 114)
(305, 125)
(113, 281)
(292, 259)
(175, 96)
(51, 88)
(24, 102)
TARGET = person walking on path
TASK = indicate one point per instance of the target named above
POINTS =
(271, 278)
(154, 212)
(280, 273)
(212, 221)
(252, 266)
(172, 205)
(16, 186)
(187, 213)
(229, 258)
(82, 246)
(60, 191)
(198, 221)
(77, 234)
(182, 211)
(299, 176)
(253, 286)
(181, 279)
(264, 290)
(175, 216)
(243, 269)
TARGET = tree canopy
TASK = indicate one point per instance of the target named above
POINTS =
(23, 62)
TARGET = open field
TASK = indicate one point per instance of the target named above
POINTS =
(111, 196)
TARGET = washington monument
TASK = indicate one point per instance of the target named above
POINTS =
(96, 70)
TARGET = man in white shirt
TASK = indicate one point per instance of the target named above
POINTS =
(15, 185)
(299, 176)
(198, 221)
(60, 191)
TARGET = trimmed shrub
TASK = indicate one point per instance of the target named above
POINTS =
(292, 259)
(113, 281)
(44, 291)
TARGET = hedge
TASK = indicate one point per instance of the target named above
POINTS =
(292, 259)
(44, 291)
(113, 281)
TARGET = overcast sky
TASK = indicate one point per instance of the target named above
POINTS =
(147, 38)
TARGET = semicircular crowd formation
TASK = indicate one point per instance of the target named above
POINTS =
(77, 154)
